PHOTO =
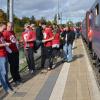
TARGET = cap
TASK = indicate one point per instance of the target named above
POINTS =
(27, 25)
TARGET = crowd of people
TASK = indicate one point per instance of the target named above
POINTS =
(52, 39)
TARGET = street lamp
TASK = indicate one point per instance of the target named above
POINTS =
(10, 10)
(58, 15)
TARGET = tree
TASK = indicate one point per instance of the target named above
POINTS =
(25, 20)
(32, 19)
(43, 20)
(3, 16)
(78, 24)
(17, 21)
(49, 23)
(18, 28)
(70, 23)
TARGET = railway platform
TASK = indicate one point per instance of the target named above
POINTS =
(68, 81)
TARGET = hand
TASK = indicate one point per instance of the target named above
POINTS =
(43, 41)
(7, 44)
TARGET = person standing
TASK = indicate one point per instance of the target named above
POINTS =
(4, 62)
(28, 37)
(56, 44)
(70, 40)
(39, 32)
(64, 42)
(39, 37)
(13, 52)
(47, 49)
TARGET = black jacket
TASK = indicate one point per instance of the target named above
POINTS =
(39, 34)
(70, 37)
(63, 35)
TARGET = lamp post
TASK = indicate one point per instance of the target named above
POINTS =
(58, 15)
(7, 9)
(10, 10)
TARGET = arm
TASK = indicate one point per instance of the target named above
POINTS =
(4, 44)
(31, 40)
(50, 39)
(33, 37)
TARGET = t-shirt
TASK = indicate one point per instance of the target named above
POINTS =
(3, 52)
(26, 36)
(47, 34)
(10, 37)
(56, 39)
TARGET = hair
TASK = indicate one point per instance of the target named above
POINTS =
(10, 23)
(1, 24)
(43, 23)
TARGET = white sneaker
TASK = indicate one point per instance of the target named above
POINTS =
(58, 59)
(49, 69)
(31, 72)
(53, 66)
(10, 91)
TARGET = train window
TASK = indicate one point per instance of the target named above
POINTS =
(97, 9)
(97, 16)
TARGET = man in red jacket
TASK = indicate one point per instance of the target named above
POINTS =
(28, 37)
(13, 52)
(4, 62)
(47, 41)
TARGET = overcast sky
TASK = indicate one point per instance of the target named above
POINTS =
(75, 9)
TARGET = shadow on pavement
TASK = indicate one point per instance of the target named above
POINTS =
(78, 57)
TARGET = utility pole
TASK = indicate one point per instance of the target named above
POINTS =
(7, 9)
(10, 10)
(58, 15)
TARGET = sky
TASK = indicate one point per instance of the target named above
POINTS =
(70, 9)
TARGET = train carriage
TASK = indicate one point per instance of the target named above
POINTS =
(91, 28)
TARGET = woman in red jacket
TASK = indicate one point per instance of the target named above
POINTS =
(56, 44)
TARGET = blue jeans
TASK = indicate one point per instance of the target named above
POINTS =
(3, 73)
(65, 51)
(68, 52)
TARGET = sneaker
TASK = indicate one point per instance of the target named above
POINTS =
(17, 83)
(10, 91)
(49, 68)
(53, 67)
(31, 71)
(58, 59)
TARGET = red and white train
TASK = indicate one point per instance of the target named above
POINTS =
(91, 29)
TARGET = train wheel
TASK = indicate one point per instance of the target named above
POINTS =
(94, 55)
(97, 62)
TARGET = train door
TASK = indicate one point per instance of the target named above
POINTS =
(89, 19)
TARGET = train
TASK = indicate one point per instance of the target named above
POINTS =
(91, 30)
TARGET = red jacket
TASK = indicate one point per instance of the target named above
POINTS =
(26, 36)
(46, 35)
(56, 39)
(3, 52)
(10, 37)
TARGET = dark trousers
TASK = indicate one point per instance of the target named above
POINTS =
(46, 55)
(29, 53)
(13, 59)
(56, 52)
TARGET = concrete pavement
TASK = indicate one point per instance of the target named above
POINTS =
(69, 81)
